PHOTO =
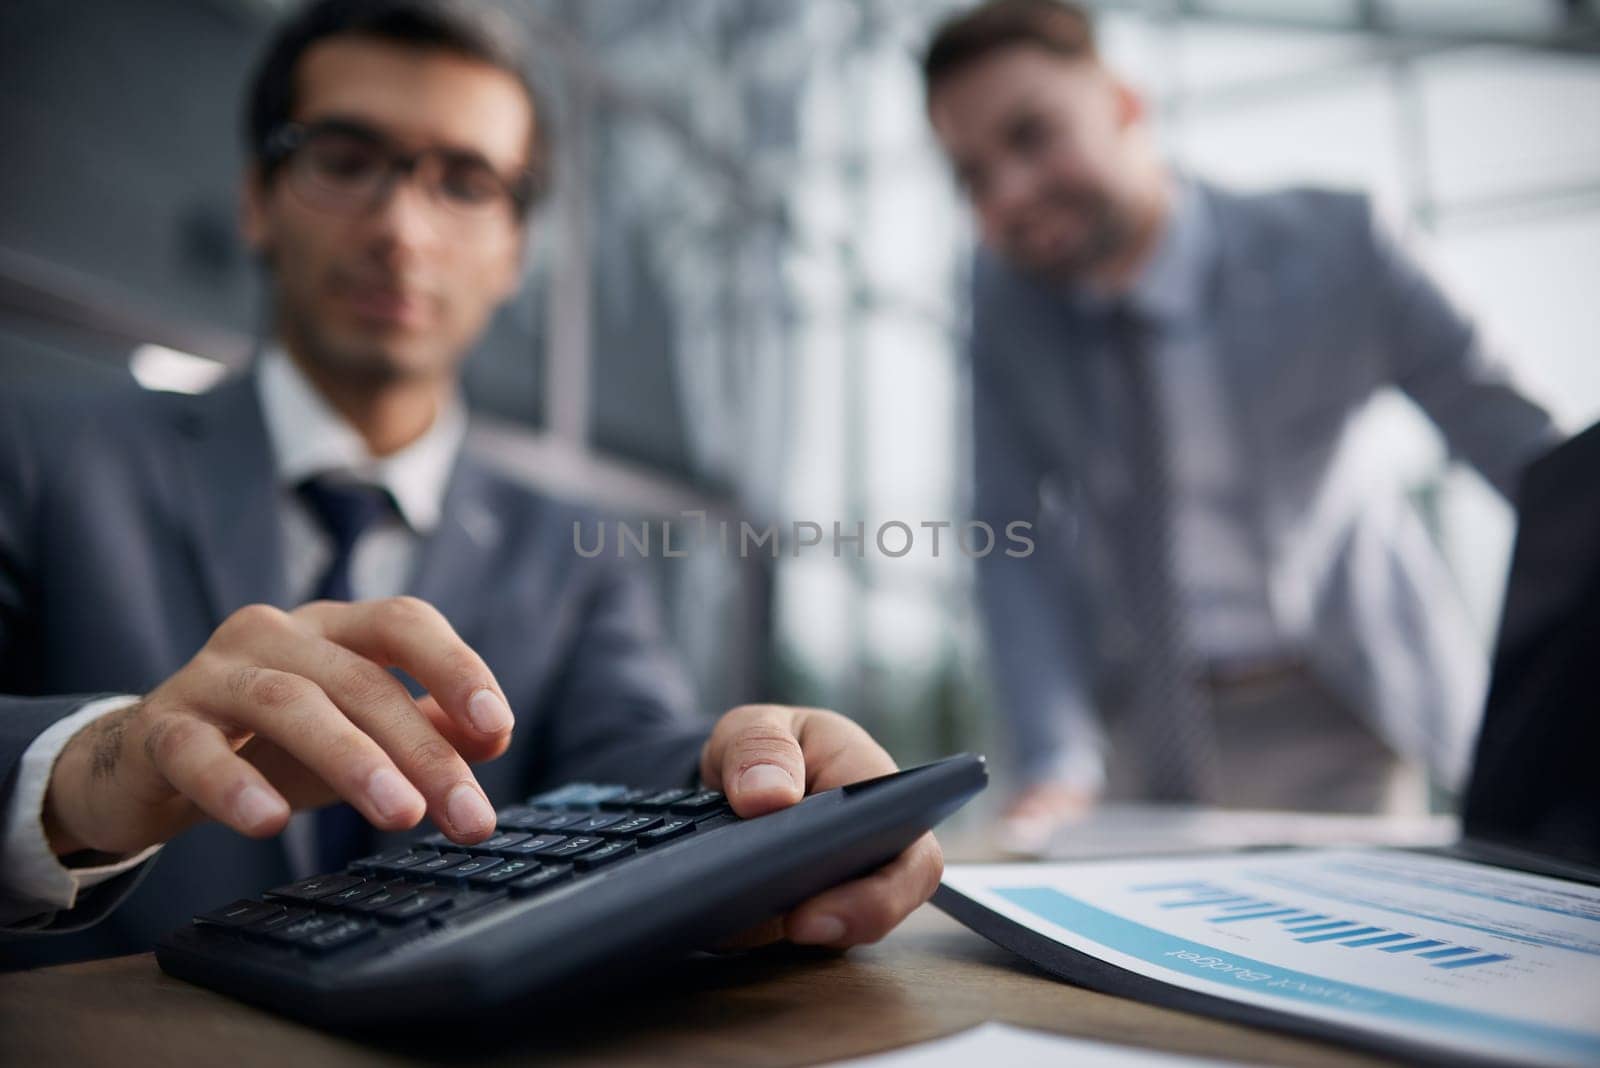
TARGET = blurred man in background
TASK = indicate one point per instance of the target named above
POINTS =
(231, 562)
(1226, 605)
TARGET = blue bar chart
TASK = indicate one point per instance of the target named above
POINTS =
(1217, 904)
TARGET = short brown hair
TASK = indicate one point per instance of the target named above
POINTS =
(469, 28)
(1062, 28)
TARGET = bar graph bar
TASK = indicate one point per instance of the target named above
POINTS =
(1409, 946)
(1340, 936)
(1486, 958)
(1320, 927)
(1362, 943)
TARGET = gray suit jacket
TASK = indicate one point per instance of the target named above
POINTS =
(1314, 311)
(131, 524)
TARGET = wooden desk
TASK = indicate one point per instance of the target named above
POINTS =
(931, 977)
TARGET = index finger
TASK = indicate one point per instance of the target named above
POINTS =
(412, 635)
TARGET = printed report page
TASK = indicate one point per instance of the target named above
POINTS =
(1432, 950)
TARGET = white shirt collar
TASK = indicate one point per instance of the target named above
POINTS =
(1173, 283)
(309, 438)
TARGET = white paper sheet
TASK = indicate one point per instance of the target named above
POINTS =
(1001, 1046)
(1427, 949)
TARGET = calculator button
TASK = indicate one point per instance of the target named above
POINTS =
(467, 868)
(403, 861)
(342, 934)
(386, 895)
(241, 913)
(318, 886)
(267, 924)
(542, 879)
(504, 872)
(594, 824)
(378, 860)
(350, 895)
(572, 847)
(437, 863)
(672, 828)
(607, 853)
(303, 928)
(533, 846)
(419, 904)
(499, 841)
(702, 802)
(631, 826)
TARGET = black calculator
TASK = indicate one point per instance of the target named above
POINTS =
(583, 888)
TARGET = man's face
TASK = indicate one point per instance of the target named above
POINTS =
(400, 287)
(1038, 144)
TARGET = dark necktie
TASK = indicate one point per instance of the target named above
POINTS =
(1172, 718)
(346, 510)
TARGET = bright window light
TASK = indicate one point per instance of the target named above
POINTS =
(158, 367)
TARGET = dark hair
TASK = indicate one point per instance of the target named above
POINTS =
(1056, 26)
(463, 27)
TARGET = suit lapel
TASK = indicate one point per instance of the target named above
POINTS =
(455, 569)
(235, 522)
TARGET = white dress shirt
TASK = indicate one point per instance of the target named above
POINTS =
(308, 438)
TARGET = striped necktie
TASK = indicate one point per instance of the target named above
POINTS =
(1172, 717)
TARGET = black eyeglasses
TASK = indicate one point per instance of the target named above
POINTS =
(345, 168)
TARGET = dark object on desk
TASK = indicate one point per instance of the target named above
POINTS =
(562, 901)
(1534, 785)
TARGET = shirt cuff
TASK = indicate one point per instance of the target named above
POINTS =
(29, 869)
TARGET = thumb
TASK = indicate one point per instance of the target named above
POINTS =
(754, 757)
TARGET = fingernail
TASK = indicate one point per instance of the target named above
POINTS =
(257, 807)
(765, 777)
(818, 931)
(391, 795)
(488, 713)
(467, 811)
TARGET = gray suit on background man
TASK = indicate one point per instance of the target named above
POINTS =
(1229, 601)
(1300, 311)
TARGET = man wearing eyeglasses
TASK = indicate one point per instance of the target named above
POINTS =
(200, 597)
